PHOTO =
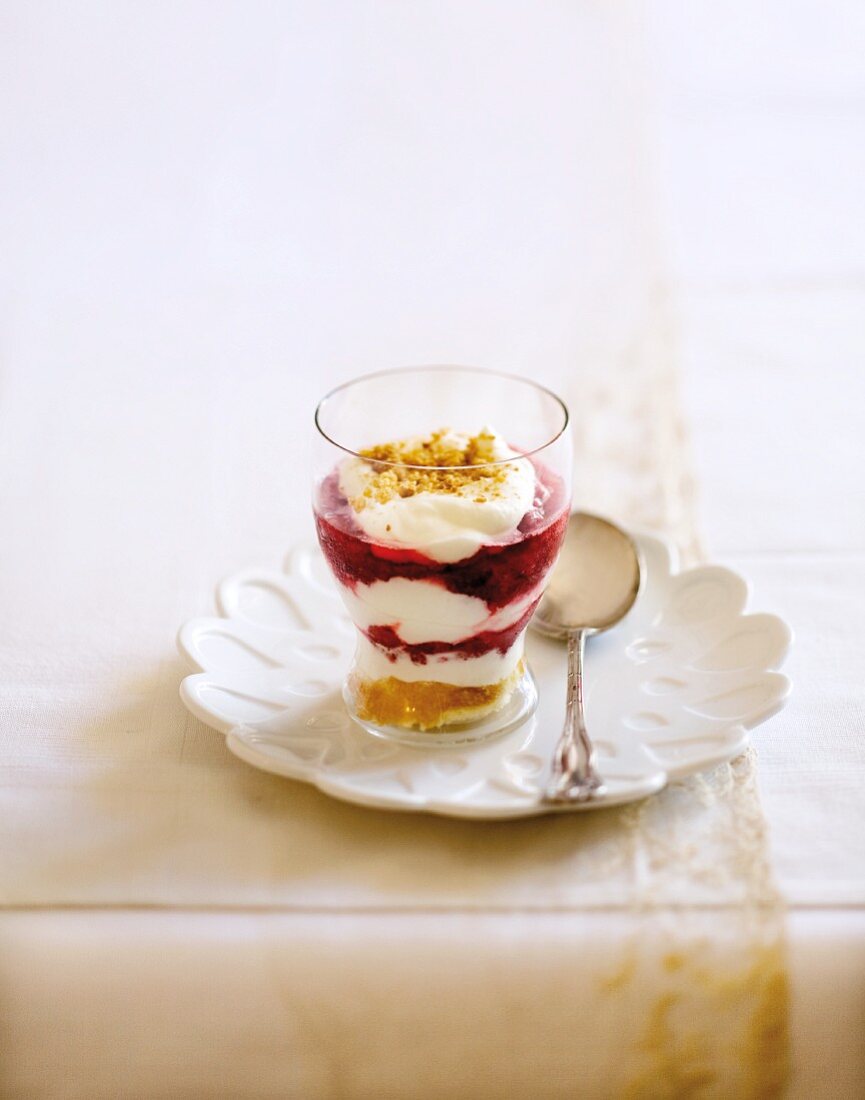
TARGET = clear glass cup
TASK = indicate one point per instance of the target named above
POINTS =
(441, 560)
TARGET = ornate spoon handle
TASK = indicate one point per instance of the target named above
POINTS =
(574, 778)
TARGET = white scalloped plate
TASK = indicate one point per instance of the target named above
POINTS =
(671, 691)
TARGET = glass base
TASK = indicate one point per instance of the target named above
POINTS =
(519, 705)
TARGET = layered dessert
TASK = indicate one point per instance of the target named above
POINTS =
(440, 546)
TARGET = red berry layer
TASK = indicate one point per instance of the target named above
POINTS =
(387, 639)
(498, 573)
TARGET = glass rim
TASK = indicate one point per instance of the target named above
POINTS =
(442, 367)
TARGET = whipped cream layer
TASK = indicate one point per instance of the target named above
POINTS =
(373, 663)
(450, 513)
(423, 611)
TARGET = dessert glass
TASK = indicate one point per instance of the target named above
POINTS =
(441, 497)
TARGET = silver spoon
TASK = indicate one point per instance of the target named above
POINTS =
(594, 585)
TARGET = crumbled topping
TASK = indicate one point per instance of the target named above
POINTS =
(442, 462)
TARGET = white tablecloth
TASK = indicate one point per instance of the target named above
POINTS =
(211, 216)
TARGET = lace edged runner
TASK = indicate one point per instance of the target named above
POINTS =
(711, 944)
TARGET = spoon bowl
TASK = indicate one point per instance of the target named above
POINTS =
(595, 582)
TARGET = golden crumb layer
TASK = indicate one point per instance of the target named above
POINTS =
(428, 704)
(460, 462)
